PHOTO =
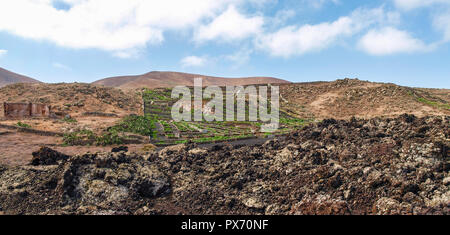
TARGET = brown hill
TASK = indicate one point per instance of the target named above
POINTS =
(8, 77)
(343, 99)
(171, 79)
(72, 98)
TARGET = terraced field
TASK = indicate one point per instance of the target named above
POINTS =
(157, 108)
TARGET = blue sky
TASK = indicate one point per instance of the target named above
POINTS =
(401, 41)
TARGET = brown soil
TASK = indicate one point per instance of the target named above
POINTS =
(343, 99)
(96, 124)
(16, 148)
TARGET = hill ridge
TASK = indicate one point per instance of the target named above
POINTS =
(8, 77)
(162, 79)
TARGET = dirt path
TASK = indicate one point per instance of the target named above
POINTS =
(319, 104)
(17, 148)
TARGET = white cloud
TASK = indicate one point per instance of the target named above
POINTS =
(193, 61)
(281, 17)
(240, 57)
(412, 4)
(60, 66)
(389, 40)
(441, 17)
(127, 54)
(320, 3)
(3, 52)
(442, 23)
(294, 40)
(124, 27)
(230, 25)
(115, 26)
(261, 3)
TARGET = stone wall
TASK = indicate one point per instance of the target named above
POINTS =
(21, 110)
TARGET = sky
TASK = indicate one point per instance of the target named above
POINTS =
(406, 42)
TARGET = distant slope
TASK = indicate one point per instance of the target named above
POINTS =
(8, 77)
(343, 99)
(172, 79)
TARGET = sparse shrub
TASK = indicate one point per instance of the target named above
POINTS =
(293, 121)
(87, 137)
(141, 125)
(83, 137)
(69, 120)
(434, 103)
(24, 125)
(111, 137)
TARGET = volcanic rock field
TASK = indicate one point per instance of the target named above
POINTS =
(376, 166)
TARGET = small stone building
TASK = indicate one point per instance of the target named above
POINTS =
(22, 110)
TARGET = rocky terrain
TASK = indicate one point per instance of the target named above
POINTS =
(345, 98)
(72, 98)
(376, 166)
